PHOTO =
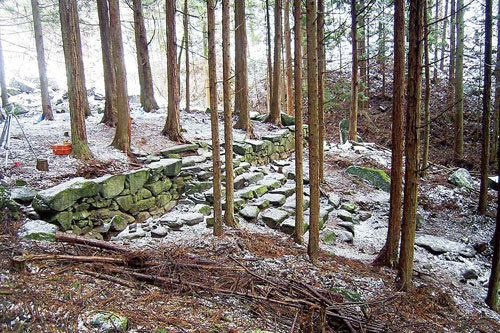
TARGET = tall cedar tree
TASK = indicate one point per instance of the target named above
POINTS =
(299, 134)
(321, 86)
(172, 127)
(362, 56)
(427, 93)
(353, 117)
(443, 39)
(269, 61)
(110, 112)
(453, 31)
(413, 93)
(214, 119)
(40, 57)
(485, 142)
(241, 68)
(312, 105)
(148, 101)
(388, 256)
(229, 219)
(288, 60)
(459, 83)
(275, 114)
(3, 84)
(77, 94)
(436, 37)
(496, 107)
(122, 134)
(186, 46)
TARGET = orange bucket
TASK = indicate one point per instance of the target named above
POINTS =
(61, 149)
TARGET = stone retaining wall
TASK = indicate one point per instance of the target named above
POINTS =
(111, 202)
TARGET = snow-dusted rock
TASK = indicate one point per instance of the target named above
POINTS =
(439, 245)
(461, 178)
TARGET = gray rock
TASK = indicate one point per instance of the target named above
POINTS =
(286, 190)
(159, 231)
(173, 222)
(461, 178)
(439, 245)
(334, 200)
(344, 215)
(203, 209)
(376, 177)
(192, 218)
(107, 321)
(111, 185)
(249, 212)
(275, 199)
(364, 215)
(493, 183)
(257, 145)
(290, 203)
(470, 274)
(242, 148)
(344, 236)
(39, 230)
(180, 149)
(347, 226)
(288, 226)
(273, 217)
(328, 236)
(349, 206)
(131, 233)
(22, 193)
(169, 167)
(22, 86)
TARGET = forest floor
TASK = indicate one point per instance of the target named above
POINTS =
(61, 296)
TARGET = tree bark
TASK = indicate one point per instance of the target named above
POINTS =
(229, 219)
(110, 112)
(485, 141)
(269, 60)
(414, 88)
(77, 93)
(427, 93)
(288, 62)
(299, 134)
(241, 67)
(496, 107)
(321, 87)
(436, 37)
(388, 256)
(459, 84)
(148, 101)
(3, 84)
(186, 46)
(451, 73)
(443, 40)
(121, 140)
(214, 119)
(362, 58)
(353, 118)
(172, 128)
(275, 114)
(312, 104)
(40, 56)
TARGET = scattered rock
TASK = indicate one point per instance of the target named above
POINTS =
(275, 199)
(334, 200)
(470, 274)
(349, 226)
(159, 231)
(328, 236)
(344, 215)
(39, 230)
(250, 212)
(192, 218)
(461, 178)
(376, 177)
(273, 217)
(439, 245)
(107, 321)
(349, 206)
(22, 193)
(364, 215)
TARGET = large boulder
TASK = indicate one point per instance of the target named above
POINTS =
(64, 195)
(136, 179)
(39, 230)
(461, 178)
(287, 120)
(376, 177)
(439, 245)
(22, 193)
(111, 186)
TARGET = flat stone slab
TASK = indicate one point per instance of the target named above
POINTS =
(242, 148)
(334, 200)
(273, 217)
(192, 218)
(276, 137)
(39, 230)
(250, 212)
(257, 145)
(168, 166)
(285, 190)
(180, 149)
(439, 245)
(159, 231)
(376, 177)
(275, 199)
(173, 222)
(344, 215)
(22, 193)
(290, 202)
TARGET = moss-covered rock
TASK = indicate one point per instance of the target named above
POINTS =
(111, 186)
(39, 230)
(242, 148)
(64, 219)
(143, 193)
(65, 195)
(163, 199)
(287, 120)
(376, 177)
(104, 215)
(180, 149)
(137, 179)
(106, 321)
(169, 167)
(143, 205)
(125, 202)
(159, 186)
(461, 178)
(197, 187)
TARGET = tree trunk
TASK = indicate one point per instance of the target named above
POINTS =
(3, 84)
(427, 93)
(241, 67)
(496, 107)
(412, 142)
(436, 35)
(288, 62)
(459, 84)
(361, 29)
(40, 56)
(388, 256)
(148, 101)
(121, 140)
(172, 127)
(228, 117)
(381, 51)
(451, 73)
(110, 112)
(485, 142)
(77, 93)
(312, 105)
(321, 87)
(275, 114)
(299, 134)
(186, 46)
(269, 62)
(214, 119)
(443, 40)
(353, 118)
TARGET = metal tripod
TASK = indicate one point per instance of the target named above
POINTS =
(5, 138)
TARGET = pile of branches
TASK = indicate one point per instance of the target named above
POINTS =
(294, 305)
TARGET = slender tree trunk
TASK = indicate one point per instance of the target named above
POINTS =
(77, 93)
(275, 114)
(241, 66)
(459, 84)
(382, 55)
(186, 46)
(122, 135)
(110, 112)
(148, 101)
(3, 84)
(361, 29)
(443, 40)
(205, 53)
(312, 105)
(229, 219)
(288, 63)
(269, 60)
(321, 87)
(172, 127)
(353, 118)
(214, 119)
(412, 142)
(436, 37)
(40, 56)
(451, 73)
(427, 93)
(388, 256)
(485, 141)
(299, 134)
(496, 107)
